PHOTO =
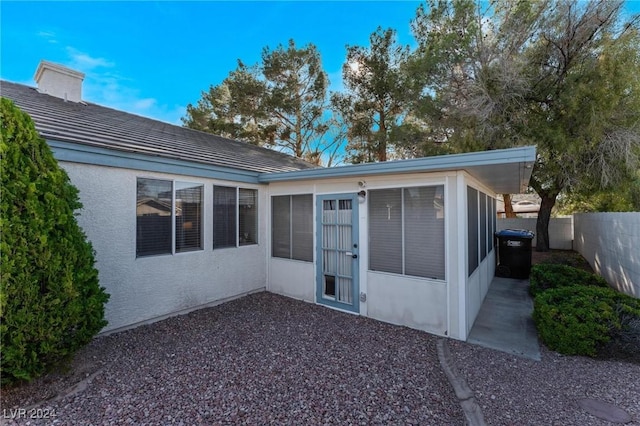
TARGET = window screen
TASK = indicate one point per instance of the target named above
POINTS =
(406, 231)
(248, 216)
(483, 226)
(472, 225)
(224, 217)
(424, 231)
(492, 221)
(385, 230)
(281, 226)
(188, 203)
(153, 217)
(302, 227)
(292, 227)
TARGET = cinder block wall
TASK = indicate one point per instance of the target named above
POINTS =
(611, 244)
(560, 230)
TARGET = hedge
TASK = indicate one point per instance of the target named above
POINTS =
(582, 320)
(51, 303)
(547, 276)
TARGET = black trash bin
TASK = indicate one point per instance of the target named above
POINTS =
(514, 253)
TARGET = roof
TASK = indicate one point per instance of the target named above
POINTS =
(505, 171)
(101, 127)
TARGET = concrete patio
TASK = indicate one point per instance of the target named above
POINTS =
(504, 322)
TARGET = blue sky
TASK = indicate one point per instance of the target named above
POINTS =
(154, 58)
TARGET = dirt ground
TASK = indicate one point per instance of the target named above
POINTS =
(565, 257)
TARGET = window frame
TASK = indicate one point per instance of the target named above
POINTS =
(174, 250)
(293, 243)
(440, 188)
(237, 242)
(484, 239)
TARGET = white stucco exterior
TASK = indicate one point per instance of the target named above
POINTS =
(61, 82)
(147, 288)
(444, 307)
(413, 232)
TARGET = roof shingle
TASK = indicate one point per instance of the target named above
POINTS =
(94, 125)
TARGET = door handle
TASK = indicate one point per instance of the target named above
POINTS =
(353, 255)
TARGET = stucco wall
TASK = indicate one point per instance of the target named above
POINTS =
(560, 230)
(292, 278)
(408, 301)
(477, 284)
(611, 244)
(404, 300)
(147, 288)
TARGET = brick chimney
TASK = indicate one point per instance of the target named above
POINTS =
(61, 82)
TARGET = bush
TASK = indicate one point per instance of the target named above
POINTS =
(548, 276)
(51, 303)
(579, 320)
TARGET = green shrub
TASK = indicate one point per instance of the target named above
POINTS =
(548, 276)
(51, 303)
(579, 320)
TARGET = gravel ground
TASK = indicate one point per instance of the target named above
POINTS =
(262, 359)
(267, 359)
(516, 391)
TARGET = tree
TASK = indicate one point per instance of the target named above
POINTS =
(560, 74)
(51, 303)
(235, 108)
(297, 95)
(279, 103)
(584, 102)
(377, 92)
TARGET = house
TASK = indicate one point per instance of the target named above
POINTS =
(181, 219)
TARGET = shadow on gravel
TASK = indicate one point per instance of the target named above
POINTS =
(260, 359)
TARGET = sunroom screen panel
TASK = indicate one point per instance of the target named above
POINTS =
(424, 232)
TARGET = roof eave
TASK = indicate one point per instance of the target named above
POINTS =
(484, 165)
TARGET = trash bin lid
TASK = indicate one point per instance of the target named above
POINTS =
(515, 233)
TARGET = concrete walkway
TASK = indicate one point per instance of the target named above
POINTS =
(504, 322)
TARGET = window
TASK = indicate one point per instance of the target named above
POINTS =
(406, 231)
(481, 217)
(483, 226)
(292, 227)
(472, 218)
(492, 223)
(168, 217)
(224, 217)
(248, 216)
(235, 216)
(188, 202)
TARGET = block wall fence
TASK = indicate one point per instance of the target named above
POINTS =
(611, 244)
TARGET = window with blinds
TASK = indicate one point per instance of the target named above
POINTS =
(168, 212)
(154, 208)
(406, 231)
(188, 203)
(224, 217)
(292, 227)
(247, 216)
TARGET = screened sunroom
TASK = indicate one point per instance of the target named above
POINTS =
(408, 242)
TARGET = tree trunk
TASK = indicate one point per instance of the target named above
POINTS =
(508, 208)
(382, 139)
(542, 224)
